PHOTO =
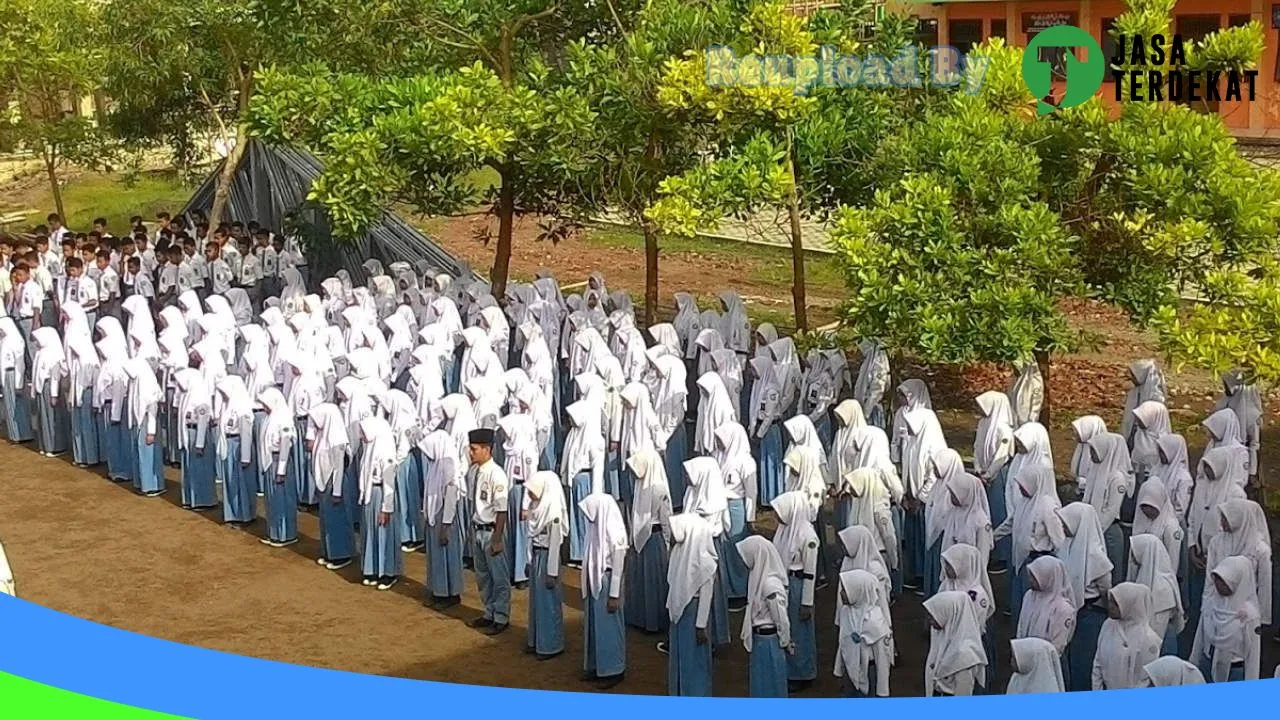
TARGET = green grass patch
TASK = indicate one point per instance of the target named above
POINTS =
(112, 196)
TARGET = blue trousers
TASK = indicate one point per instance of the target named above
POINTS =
(493, 577)
(239, 485)
(546, 608)
(913, 545)
(604, 635)
(198, 490)
(995, 500)
(380, 555)
(646, 586)
(688, 663)
(444, 562)
(1113, 536)
(301, 467)
(932, 575)
(767, 669)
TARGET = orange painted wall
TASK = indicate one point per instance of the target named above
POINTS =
(1257, 119)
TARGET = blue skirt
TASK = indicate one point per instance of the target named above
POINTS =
(17, 410)
(53, 424)
(169, 430)
(842, 518)
(258, 417)
(913, 556)
(546, 608)
(301, 466)
(1113, 536)
(995, 500)
(768, 667)
(1205, 663)
(646, 586)
(116, 439)
(282, 503)
(932, 578)
(198, 489)
(351, 487)
(735, 571)
(444, 562)
(876, 416)
(380, 555)
(803, 663)
(826, 429)
(149, 477)
(612, 467)
(604, 635)
(239, 485)
(409, 498)
(84, 431)
(517, 534)
(547, 458)
(337, 543)
(673, 457)
(577, 519)
(897, 515)
(769, 470)
(718, 626)
(688, 663)
(1084, 645)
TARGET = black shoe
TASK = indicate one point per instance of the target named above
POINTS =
(495, 629)
(522, 585)
(480, 623)
(548, 656)
(530, 650)
(448, 602)
(612, 681)
(588, 677)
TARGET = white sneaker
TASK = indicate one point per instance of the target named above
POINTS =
(337, 566)
(368, 582)
(321, 561)
(388, 585)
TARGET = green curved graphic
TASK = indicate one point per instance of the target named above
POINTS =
(21, 699)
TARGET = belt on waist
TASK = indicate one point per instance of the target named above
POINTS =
(376, 485)
(800, 574)
(231, 435)
(1095, 604)
(657, 528)
(765, 630)
(485, 526)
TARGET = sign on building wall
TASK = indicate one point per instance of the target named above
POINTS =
(1033, 23)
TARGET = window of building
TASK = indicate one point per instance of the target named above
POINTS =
(965, 34)
(1108, 46)
(1238, 20)
(926, 32)
(999, 28)
(1194, 28)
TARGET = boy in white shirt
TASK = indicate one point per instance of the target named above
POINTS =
(81, 289)
(167, 282)
(251, 279)
(108, 286)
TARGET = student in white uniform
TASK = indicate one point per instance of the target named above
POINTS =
(1149, 565)
(797, 544)
(13, 374)
(603, 626)
(239, 473)
(80, 289)
(195, 415)
(1127, 642)
(956, 664)
(489, 550)
(381, 561)
(547, 519)
(1171, 671)
(865, 652)
(1084, 553)
(49, 368)
(1048, 611)
(444, 506)
(691, 583)
(1227, 645)
(766, 626)
(1037, 667)
(647, 564)
(276, 434)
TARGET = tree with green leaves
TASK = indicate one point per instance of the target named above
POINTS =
(46, 69)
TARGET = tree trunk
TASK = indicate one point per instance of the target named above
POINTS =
(797, 244)
(222, 191)
(1046, 408)
(650, 273)
(51, 169)
(506, 223)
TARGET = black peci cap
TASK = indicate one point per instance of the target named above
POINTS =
(480, 436)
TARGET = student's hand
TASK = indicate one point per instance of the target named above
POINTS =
(496, 547)
(806, 613)
(550, 582)
(612, 605)
(442, 536)
(244, 463)
(311, 445)
(336, 499)
(383, 518)
(701, 636)
(524, 514)
(280, 479)
(790, 649)
(199, 452)
(151, 438)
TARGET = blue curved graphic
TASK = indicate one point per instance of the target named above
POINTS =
(130, 669)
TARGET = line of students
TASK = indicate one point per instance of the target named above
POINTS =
(648, 458)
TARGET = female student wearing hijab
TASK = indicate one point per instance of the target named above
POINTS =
(1156, 516)
(49, 367)
(1089, 570)
(519, 462)
(992, 452)
(1048, 612)
(706, 497)
(1036, 666)
(1219, 479)
(407, 429)
(766, 628)
(1227, 643)
(444, 508)
(303, 390)
(546, 519)
(1110, 482)
(957, 663)
(13, 365)
(1026, 395)
(82, 376)
(1171, 671)
(797, 544)
(1150, 567)
(841, 455)
(1173, 469)
(144, 455)
(964, 568)
(738, 468)
(669, 395)
(199, 462)
(380, 458)
(714, 409)
(691, 579)
(646, 581)
(861, 553)
(604, 630)
(1242, 398)
(582, 465)
(1223, 430)
(274, 439)
(863, 501)
(917, 436)
(639, 431)
(326, 438)
(765, 431)
(1127, 642)
(110, 395)
(1084, 429)
(806, 474)
(872, 381)
(1033, 524)
(865, 653)
(1148, 384)
(1244, 532)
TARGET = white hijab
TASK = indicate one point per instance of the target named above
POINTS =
(1084, 552)
(584, 443)
(1048, 613)
(1148, 384)
(957, 647)
(768, 577)
(862, 613)
(734, 325)
(1039, 667)
(692, 564)
(705, 494)
(1085, 428)
(1150, 566)
(1229, 624)
(443, 469)
(714, 409)
(331, 443)
(651, 496)
(1172, 671)
(1126, 644)
(995, 425)
(606, 533)
(795, 527)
